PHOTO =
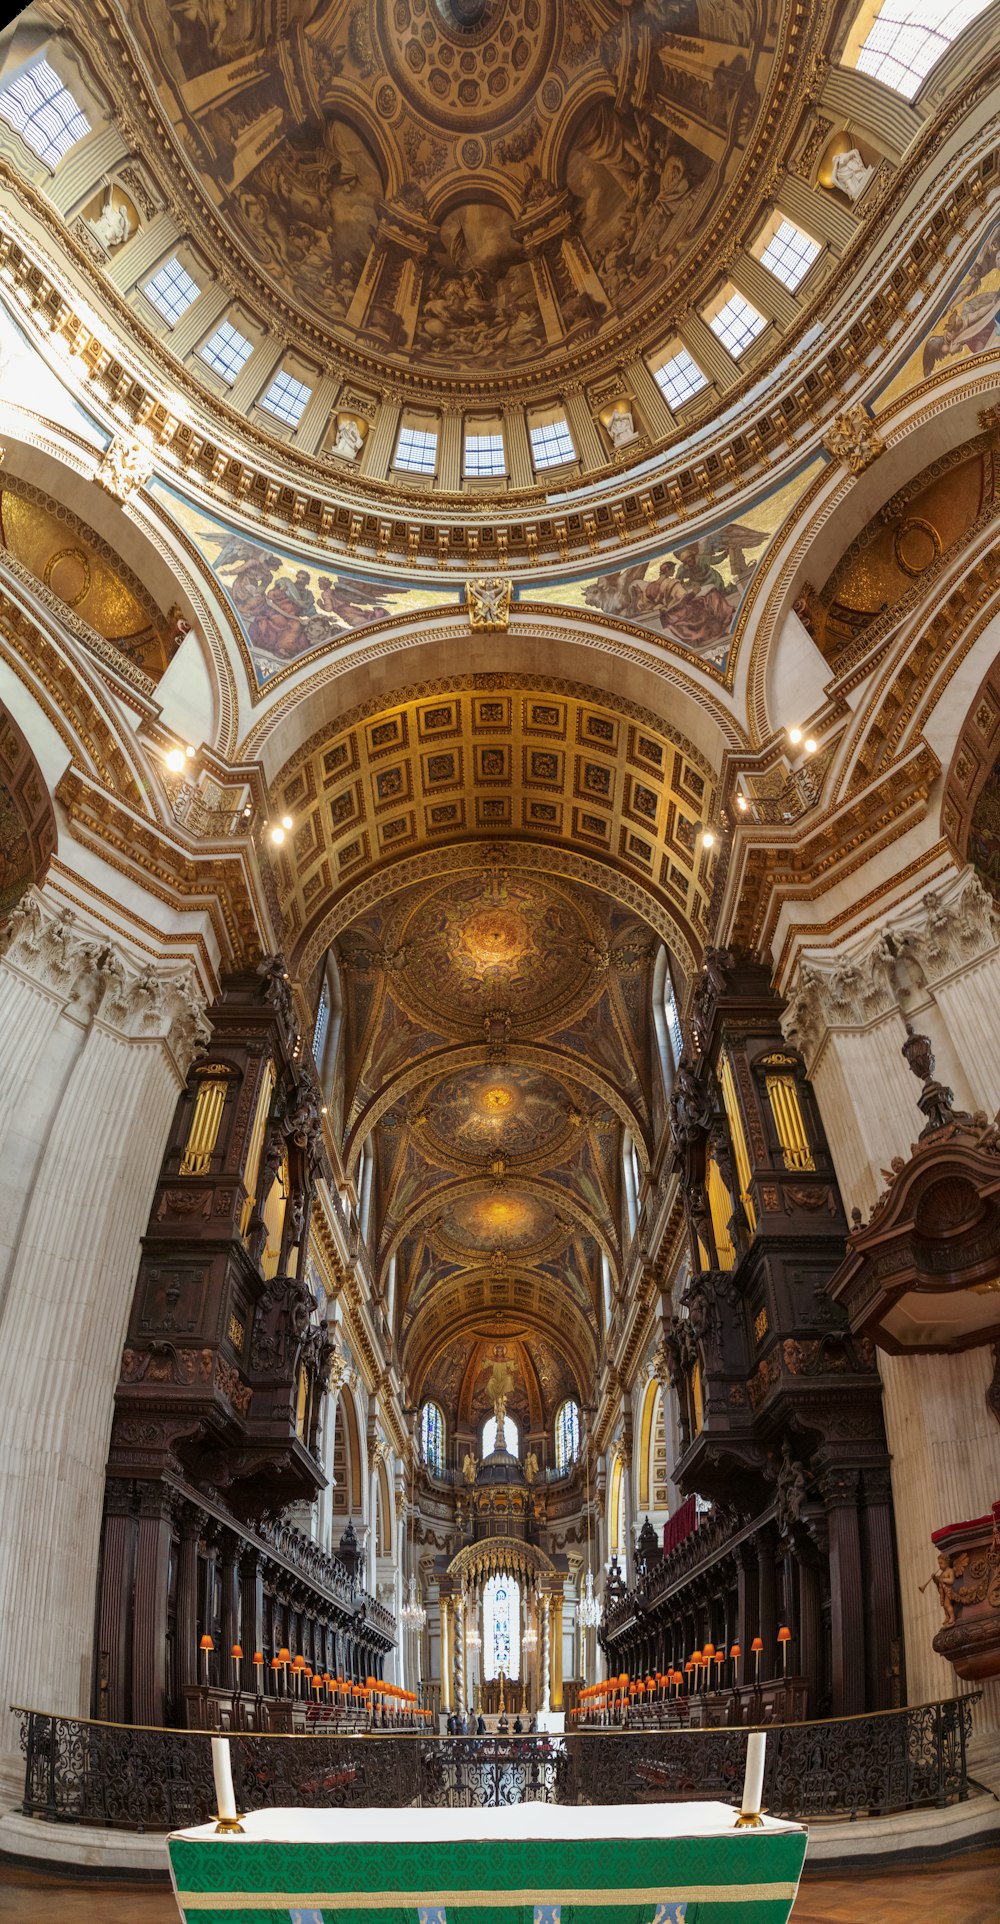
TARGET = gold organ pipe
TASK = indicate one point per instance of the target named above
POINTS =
(727, 1084)
(205, 1124)
(252, 1167)
(720, 1205)
(789, 1122)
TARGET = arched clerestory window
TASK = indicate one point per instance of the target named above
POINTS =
(511, 1435)
(432, 1438)
(567, 1435)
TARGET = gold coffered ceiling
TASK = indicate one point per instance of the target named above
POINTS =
(494, 757)
(451, 191)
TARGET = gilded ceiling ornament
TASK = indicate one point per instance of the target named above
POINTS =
(488, 600)
(854, 439)
(127, 464)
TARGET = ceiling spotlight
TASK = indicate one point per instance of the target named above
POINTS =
(286, 821)
(708, 838)
(277, 836)
(175, 761)
(795, 736)
(742, 804)
(810, 746)
(189, 752)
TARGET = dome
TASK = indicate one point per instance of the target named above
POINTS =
(463, 192)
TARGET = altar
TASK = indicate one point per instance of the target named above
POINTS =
(607, 1864)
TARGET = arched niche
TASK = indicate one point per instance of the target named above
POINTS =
(28, 832)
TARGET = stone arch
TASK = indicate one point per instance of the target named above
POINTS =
(28, 831)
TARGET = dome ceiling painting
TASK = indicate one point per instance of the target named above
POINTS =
(457, 188)
(497, 1046)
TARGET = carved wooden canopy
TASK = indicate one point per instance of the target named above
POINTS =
(924, 1272)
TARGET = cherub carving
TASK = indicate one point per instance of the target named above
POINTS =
(944, 1579)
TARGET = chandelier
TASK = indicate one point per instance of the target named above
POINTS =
(412, 1615)
(588, 1609)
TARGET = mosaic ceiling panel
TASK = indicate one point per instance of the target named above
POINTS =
(459, 193)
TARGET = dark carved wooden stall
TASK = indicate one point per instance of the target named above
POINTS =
(217, 1408)
(780, 1405)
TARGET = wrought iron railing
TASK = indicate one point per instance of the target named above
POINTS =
(83, 1772)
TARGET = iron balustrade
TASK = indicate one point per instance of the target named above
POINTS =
(80, 1771)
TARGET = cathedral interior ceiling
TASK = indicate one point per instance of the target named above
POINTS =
(497, 1187)
(507, 758)
(451, 201)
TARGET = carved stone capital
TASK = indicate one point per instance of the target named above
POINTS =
(97, 982)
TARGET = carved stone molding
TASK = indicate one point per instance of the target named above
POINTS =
(96, 982)
(950, 929)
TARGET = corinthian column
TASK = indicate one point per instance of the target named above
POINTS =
(114, 1044)
(543, 1682)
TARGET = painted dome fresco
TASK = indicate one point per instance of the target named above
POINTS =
(467, 188)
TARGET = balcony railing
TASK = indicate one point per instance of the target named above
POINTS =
(83, 1772)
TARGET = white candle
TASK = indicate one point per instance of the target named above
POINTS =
(223, 1771)
(753, 1782)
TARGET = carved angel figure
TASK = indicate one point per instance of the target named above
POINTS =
(944, 1579)
(470, 1466)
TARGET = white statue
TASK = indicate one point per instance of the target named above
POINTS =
(621, 426)
(113, 225)
(850, 173)
(350, 439)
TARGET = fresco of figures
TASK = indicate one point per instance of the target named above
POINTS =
(476, 207)
(969, 324)
(287, 607)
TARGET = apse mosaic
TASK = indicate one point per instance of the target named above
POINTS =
(968, 325)
(287, 607)
(692, 595)
(472, 195)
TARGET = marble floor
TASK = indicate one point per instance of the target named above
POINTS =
(960, 1890)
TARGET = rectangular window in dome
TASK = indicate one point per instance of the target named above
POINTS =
(737, 324)
(552, 444)
(484, 454)
(789, 254)
(907, 37)
(416, 450)
(43, 112)
(227, 351)
(171, 290)
(286, 398)
(679, 378)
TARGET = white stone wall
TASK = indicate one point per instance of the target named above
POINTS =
(94, 1052)
(936, 964)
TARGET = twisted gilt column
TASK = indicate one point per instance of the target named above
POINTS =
(543, 1686)
(461, 1606)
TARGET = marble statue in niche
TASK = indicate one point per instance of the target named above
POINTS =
(114, 224)
(849, 172)
(349, 440)
(621, 426)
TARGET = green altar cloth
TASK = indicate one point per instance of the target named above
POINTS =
(522, 1864)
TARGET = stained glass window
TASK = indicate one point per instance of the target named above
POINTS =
(432, 1437)
(502, 1626)
(567, 1436)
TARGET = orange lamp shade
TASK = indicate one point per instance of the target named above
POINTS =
(206, 1643)
(275, 1663)
(735, 1651)
(284, 1656)
(757, 1644)
(709, 1650)
(298, 1663)
(784, 1634)
(236, 1651)
(258, 1656)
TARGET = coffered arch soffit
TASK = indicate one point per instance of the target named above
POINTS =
(548, 1210)
(912, 432)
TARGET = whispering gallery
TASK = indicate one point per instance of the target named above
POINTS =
(500, 961)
